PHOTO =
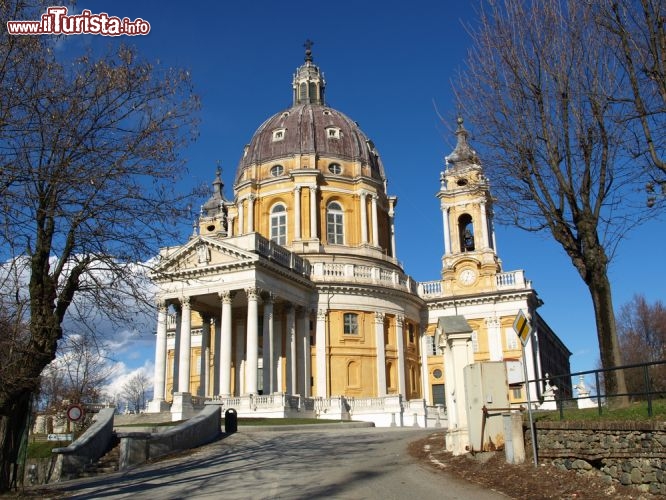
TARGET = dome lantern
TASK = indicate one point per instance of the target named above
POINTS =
(308, 83)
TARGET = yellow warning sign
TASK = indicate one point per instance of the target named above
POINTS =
(522, 327)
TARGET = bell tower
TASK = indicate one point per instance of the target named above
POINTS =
(470, 261)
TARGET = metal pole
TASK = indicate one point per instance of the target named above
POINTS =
(529, 408)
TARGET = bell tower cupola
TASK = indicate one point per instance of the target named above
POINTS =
(308, 82)
(213, 216)
(470, 258)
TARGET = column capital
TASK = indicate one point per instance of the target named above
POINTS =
(313, 188)
(226, 296)
(267, 297)
(252, 293)
(400, 320)
(379, 317)
(321, 314)
(161, 305)
(185, 302)
(297, 189)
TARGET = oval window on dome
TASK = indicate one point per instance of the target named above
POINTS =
(277, 170)
(335, 168)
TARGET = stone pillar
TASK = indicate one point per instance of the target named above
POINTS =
(185, 346)
(313, 212)
(252, 349)
(291, 350)
(203, 360)
(375, 226)
(484, 226)
(447, 235)
(320, 353)
(238, 387)
(307, 358)
(457, 354)
(158, 404)
(225, 344)
(381, 354)
(278, 381)
(297, 213)
(364, 218)
(495, 344)
(268, 346)
(250, 213)
(400, 345)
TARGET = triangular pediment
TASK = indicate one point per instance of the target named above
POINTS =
(200, 254)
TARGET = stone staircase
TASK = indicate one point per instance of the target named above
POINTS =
(106, 463)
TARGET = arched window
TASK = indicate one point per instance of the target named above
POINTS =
(279, 224)
(303, 91)
(334, 224)
(466, 231)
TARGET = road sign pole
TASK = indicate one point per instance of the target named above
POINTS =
(529, 407)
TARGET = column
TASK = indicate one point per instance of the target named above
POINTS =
(204, 360)
(447, 235)
(215, 382)
(364, 218)
(185, 346)
(241, 217)
(307, 358)
(250, 213)
(381, 354)
(291, 350)
(400, 345)
(239, 365)
(160, 356)
(176, 349)
(320, 353)
(313, 212)
(252, 341)
(268, 347)
(230, 226)
(225, 344)
(375, 227)
(484, 226)
(297, 213)
(278, 381)
(392, 228)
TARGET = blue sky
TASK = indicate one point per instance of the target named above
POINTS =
(388, 65)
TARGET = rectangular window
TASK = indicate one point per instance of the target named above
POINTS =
(511, 338)
(431, 347)
(334, 228)
(351, 323)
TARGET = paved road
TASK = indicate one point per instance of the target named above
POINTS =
(351, 464)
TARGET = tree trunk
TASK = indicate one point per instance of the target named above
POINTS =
(12, 426)
(609, 347)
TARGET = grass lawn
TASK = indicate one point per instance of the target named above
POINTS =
(636, 411)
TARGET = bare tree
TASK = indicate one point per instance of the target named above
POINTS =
(541, 88)
(636, 29)
(641, 327)
(89, 150)
(134, 391)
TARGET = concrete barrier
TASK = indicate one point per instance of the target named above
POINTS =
(88, 448)
(139, 447)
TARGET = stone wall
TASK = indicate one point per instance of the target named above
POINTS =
(91, 445)
(632, 453)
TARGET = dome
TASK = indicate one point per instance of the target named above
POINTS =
(310, 128)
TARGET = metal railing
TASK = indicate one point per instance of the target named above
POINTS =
(645, 382)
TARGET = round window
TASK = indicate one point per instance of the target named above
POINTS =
(462, 182)
(437, 373)
(277, 170)
(335, 168)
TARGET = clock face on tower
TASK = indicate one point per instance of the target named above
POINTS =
(467, 276)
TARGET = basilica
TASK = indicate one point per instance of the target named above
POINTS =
(289, 300)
